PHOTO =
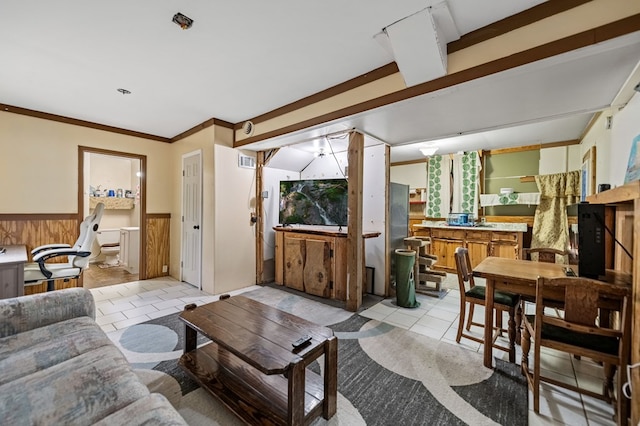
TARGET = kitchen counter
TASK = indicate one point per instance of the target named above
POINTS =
(489, 226)
(500, 239)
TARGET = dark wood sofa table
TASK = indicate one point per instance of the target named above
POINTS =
(251, 365)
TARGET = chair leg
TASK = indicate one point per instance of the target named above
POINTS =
(525, 342)
(463, 305)
(512, 335)
(607, 385)
(470, 318)
(51, 285)
(536, 378)
(519, 323)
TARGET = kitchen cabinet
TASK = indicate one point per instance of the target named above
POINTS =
(443, 244)
(479, 242)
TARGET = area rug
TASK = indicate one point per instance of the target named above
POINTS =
(386, 375)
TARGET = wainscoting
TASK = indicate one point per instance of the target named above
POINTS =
(34, 230)
(158, 245)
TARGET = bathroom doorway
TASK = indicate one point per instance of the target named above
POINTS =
(117, 179)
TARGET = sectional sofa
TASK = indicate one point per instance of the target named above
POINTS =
(58, 367)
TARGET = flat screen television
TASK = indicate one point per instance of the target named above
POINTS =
(313, 202)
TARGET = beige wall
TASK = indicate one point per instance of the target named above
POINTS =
(235, 258)
(39, 164)
(39, 171)
(414, 175)
(203, 141)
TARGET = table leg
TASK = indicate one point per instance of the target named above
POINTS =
(488, 324)
(330, 402)
(295, 411)
(190, 338)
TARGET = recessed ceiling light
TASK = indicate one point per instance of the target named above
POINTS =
(124, 91)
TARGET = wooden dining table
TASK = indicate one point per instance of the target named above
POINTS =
(514, 276)
(520, 276)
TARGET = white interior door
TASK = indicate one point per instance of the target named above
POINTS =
(191, 218)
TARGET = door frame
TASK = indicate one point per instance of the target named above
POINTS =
(82, 150)
(199, 153)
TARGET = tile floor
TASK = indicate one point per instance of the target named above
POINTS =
(122, 305)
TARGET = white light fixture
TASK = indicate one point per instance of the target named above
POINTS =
(429, 151)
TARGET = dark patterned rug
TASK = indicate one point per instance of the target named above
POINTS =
(389, 375)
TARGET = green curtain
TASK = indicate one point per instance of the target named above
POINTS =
(438, 186)
(550, 225)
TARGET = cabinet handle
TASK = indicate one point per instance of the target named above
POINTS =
(320, 277)
(196, 226)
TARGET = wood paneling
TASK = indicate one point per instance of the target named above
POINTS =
(157, 247)
(37, 230)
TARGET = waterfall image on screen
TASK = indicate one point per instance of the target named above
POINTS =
(314, 202)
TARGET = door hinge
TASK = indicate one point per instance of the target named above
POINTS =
(183, 173)
(330, 252)
(330, 285)
(182, 218)
(181, 263)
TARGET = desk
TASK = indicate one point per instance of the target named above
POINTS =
(12, 262)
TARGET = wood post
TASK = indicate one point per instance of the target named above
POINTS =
(259, 224)
(355, 246)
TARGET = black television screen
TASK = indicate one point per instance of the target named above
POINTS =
(314, 202)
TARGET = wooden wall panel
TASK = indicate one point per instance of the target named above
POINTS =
(158, 242)
(37, 230)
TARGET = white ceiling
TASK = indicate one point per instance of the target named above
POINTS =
(244, 58)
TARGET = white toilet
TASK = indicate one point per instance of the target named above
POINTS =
(109, 241)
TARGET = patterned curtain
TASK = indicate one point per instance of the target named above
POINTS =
(438, 186)
(466, 183)
(550, 226)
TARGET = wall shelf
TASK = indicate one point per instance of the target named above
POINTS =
(112, 203)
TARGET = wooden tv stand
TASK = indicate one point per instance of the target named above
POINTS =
(251, 366)
(313, 260)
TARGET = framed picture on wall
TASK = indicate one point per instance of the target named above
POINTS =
(633, 166)
(588, 174)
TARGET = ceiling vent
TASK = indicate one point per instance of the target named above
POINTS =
(247, 128)
(246, 161)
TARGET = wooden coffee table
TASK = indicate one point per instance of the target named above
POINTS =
(251, 366)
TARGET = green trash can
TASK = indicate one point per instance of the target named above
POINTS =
(405, 284)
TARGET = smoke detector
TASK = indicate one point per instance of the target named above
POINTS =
(247, 128)
(184, 21)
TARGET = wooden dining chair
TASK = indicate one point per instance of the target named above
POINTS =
(473, 294)
(578, 332)
(544, 254)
